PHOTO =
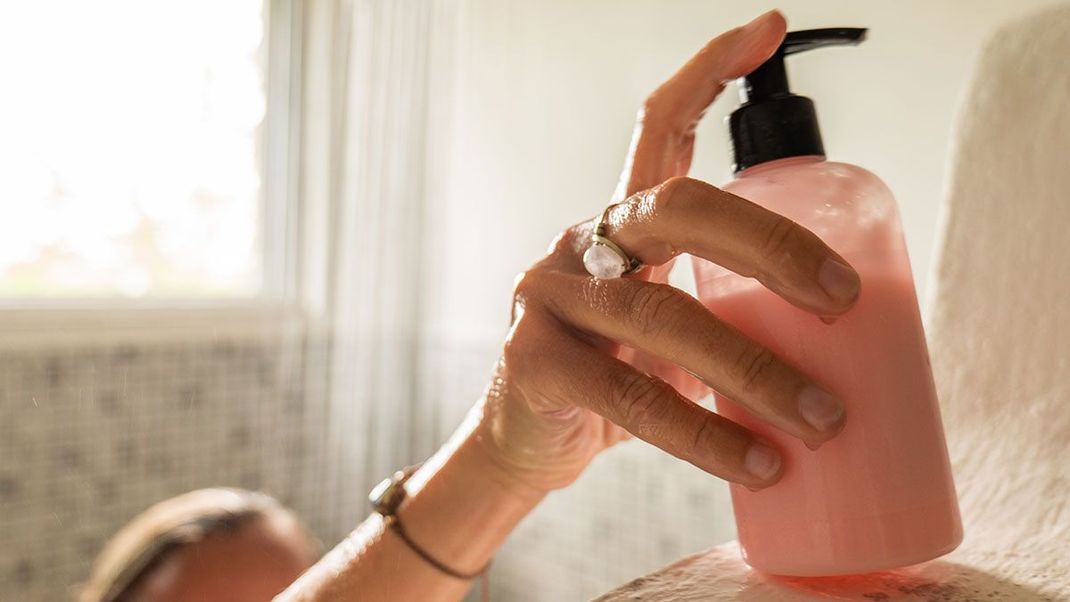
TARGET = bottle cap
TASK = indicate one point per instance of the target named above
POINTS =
(772, 123)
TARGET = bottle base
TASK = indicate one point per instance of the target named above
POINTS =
(859, 568)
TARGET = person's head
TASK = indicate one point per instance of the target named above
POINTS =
(207, 545)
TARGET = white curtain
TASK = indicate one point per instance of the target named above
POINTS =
(365, 76)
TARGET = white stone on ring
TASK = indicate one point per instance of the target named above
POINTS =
(604, 259)
(604, 262)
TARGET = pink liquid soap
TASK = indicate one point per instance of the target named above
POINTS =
(879, 495)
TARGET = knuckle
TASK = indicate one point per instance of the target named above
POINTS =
(780, 237)
(566, 241)
(677, 193)
(512, 359)
(522, 285)
(513, 351)
(661, 111)
(700, 436)
(529, 285)
(519, 351)
(656, 309)
(653, 107)
(640, 397)
(753, 365)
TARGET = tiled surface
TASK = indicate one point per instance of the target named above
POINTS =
(89, 437)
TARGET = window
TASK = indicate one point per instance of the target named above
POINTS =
(131, 146)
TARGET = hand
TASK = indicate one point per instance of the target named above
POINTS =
(589, 362)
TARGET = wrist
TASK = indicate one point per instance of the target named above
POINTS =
(535, 453)
(503, 477)
(462, 503)
(475, 450)
(501, 468)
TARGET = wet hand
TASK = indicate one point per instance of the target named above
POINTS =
(589, 362)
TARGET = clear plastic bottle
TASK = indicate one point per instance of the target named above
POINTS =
(879, 495)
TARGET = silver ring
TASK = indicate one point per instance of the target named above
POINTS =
(604, 259)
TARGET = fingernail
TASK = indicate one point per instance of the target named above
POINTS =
(762, 461)
(819, 408)
(839, 280)
(758, 21)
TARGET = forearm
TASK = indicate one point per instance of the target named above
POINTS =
(461, 506)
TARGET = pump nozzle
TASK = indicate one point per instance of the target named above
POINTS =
(773, 123)
(808, 39)
(770, 79)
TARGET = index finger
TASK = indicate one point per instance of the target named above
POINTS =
(664, 133)
(735, 53)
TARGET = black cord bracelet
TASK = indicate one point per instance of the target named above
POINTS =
(395, 525)
(386, 499)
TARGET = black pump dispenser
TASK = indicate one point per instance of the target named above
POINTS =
(773, 123)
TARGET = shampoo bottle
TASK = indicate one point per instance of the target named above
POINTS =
(880, 494)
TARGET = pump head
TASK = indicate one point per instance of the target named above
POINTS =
(773, 123)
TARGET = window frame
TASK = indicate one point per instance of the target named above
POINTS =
(276, 308)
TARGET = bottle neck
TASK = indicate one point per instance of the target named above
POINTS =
(786, 161)
(776, 128)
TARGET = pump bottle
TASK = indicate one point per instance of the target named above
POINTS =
(880, 494)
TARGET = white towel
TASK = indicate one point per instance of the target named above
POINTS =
(1001, 321)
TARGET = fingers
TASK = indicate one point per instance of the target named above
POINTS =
(684, 215)
(686, 95)
(643, 405)
(664, 135)
(671, 324)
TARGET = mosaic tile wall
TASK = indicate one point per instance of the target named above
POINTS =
(91, 436)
